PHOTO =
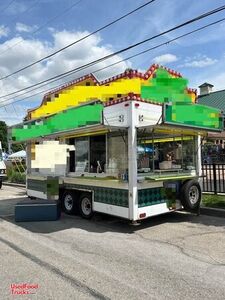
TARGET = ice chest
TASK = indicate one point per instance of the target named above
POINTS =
(37, 210)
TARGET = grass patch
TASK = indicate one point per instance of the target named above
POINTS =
(215, 201)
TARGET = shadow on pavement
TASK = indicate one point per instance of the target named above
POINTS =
(102, 223)
(7, 205)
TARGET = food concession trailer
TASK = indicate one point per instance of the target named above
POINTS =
(128, 146)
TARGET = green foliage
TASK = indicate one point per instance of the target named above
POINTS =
(15, 176)
(213, 201)
(18, 178)
(17, 147)
(9, 171)
(19, 167)
(3, 135)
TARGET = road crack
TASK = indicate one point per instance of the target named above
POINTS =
(74, 282)
(182, 248)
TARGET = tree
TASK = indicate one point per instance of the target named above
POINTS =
(3, 135)
(17, 147)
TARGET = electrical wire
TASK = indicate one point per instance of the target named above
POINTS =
(9, 4)
(115, 63)
(77, 41)
(43, 25)
(117, 52)
(25, 11)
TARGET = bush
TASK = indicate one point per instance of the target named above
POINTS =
(15, 176)
(18, 178)
(19, 167)
(9, 171)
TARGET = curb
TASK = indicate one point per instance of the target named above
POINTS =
(14, 184)
(215, 212)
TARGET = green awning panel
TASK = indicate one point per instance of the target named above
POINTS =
(65, 120)
(193, 115)
(164, 88)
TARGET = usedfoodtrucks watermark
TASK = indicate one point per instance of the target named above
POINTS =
(23, 288)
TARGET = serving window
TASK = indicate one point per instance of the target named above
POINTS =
(89, 155)
(82, 154)
(117, 154)
(97, 149)
(162, 152)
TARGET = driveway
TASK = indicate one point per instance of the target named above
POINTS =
(173, 256)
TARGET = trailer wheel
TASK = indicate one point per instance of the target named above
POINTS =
(85, 205)
(68, 203)
(190, 195)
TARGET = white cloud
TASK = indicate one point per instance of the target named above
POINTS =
(198, 62)
(3, 31)
(21, 27)
(13, 114)
(216, 80)
(212, 35)
(29, 50)
(165, 58)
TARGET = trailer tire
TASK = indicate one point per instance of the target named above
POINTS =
(190, 195)
(69, 203)
(0, 184)
(85, 205)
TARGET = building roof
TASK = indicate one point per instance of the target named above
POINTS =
(214, 99)
(206, 84)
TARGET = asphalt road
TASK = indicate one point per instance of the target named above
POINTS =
(174, 256)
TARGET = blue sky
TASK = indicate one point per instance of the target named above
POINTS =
(199, 57)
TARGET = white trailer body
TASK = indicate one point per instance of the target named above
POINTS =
(108, 147)
(127, 190)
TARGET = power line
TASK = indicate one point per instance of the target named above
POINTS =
(77, 41)
(57, 16)
(7, 6)
(26, 10)
(127, 58)
(43, 25)
(22, 12)
(118, 52)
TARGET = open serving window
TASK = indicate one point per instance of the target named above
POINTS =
(89, 155)
(105, 154)
(161, 151)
